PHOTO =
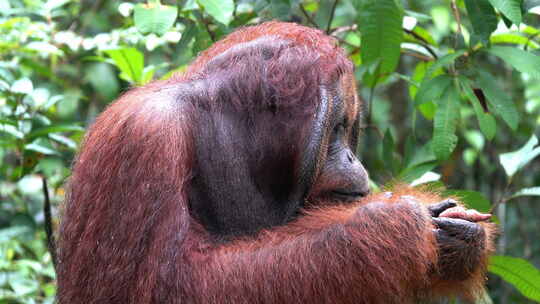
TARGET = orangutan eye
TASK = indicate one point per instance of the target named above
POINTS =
(339, 128)
(342, 126)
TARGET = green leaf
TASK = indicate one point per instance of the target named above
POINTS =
(323, 13)
(38, 147)
(102, 77)
(521, 60)
(202, 41)
(534, 191)
(510, 8)
(221, 10)
(427, 109)
(55, 129)
(279, 8)
(380, 24)
(444, 60)
(432, 89)
(70, 143)
(11, 130)
(471, 199)
(22, 86)
(513, 161)
(12, 232)
(445, 123)
(187, 35)
(487, 123)
(509, 38)
(154, 18)
(412, 173)
(502, 104)
(483, 18)
(129, 61)
(518, 272)
(23, 285)
(427, 177)
(425, 34)
(388, 150)
(148, 73)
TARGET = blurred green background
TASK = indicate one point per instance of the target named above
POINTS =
(452, 94)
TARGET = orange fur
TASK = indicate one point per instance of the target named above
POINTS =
(128, 234)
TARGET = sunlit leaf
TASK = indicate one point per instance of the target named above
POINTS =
(154, 18)
(38, 147)
(70, 143)
(414, 172)
(424, 34)
(130, 62)
(11, 130)
(23, 285)
(221, 10)
(426, 178)
(510, 38)
(471, 199)
(513, 161)
(518, 272)
(534, 191)
(22, 86)
(13, 232)
(510, 8)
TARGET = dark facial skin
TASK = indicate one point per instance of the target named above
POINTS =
(244, 179)
(344, 175)
(342, 178)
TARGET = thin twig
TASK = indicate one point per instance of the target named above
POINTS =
(370, 103)
(343, 41)
(205, 22)
(455, 10)
(210, 33)
(424, 44)
(51, 244)
(332, 12)
(419, 56)
(308, 17)
(530, 39)
(523, 231)
(341, 29)
(503, 197)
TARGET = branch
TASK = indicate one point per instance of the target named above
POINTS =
(308, 17)
(51, 244)
(458, 20)
(341, 29)
(424, 44)
(332, 12)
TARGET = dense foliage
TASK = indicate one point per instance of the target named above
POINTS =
(452, 93)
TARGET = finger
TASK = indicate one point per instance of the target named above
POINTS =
(458, 228)
(462, 213)
(449, 223)
(437, 209)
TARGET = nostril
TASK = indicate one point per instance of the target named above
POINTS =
(365, 192)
